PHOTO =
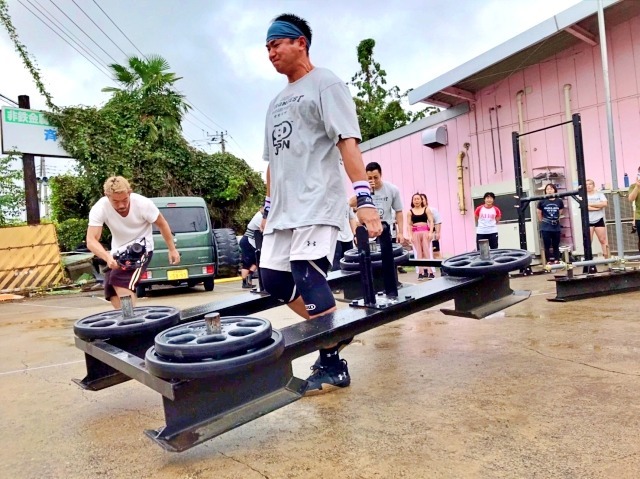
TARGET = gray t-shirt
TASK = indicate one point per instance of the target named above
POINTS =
(345, 235)
(437, 220)
(303, 125)
(252, 227)
(387, 200)
(596, 197)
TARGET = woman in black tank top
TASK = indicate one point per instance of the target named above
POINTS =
(420, 222)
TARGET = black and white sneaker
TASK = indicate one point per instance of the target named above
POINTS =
(333, 376)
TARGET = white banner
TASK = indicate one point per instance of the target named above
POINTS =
(28, 131)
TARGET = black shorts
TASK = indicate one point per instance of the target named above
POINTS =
(123, 278)
(435, 244)
(598, 224)
(248, 253)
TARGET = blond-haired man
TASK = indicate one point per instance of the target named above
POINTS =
(129, 217)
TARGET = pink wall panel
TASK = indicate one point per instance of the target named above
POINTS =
(549, 88)
(566, 66)
(594, 134)
(553, 139)
(634, 26)
(627, 129)
(584, 88)
(597, 73)
(537, 154)
(621, 59)
(533, 89)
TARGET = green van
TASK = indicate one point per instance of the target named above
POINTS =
(189, 220)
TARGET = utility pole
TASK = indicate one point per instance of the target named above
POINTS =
(29, 173)
(44, 187)
(219, 137)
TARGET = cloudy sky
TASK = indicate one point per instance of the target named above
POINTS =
(217, 46)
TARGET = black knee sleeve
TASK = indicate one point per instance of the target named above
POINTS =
(310, 278)
(279, 284)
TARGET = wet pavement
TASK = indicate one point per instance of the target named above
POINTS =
(541, 390)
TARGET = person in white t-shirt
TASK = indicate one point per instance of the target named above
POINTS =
(129, 217)
(248, 249)
(487, 218)
(345, 236)
(597, 203)
(437, 228)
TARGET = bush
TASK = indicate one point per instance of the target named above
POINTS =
(71, 233)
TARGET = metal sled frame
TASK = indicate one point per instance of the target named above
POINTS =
(197, 410)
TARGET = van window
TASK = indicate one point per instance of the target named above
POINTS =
(184, 220)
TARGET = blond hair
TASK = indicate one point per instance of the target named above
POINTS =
(116, 184)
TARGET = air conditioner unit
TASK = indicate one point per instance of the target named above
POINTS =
(629, 239)
(435, 137)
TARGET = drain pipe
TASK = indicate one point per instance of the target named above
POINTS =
(572, 176)
(523, 150)
(499, 142)
(461, 204)
(475, 119)
(493, 145)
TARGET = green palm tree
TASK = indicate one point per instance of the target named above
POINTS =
(149, 82)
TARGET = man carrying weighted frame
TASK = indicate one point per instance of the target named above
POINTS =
(310, 125)
(129, 217)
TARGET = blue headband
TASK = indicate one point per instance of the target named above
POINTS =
(282, 29)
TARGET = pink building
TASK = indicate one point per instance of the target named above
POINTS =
(538, 78)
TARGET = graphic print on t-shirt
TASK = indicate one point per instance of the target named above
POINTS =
(280, 133)
(551, 211)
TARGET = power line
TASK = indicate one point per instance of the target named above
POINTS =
(116, 25)
(234, 140)
(8, 100)
(104, 33)
(205, 115)
(86, 34)
(125, 35)
(54, 21)
(63, 39)
(88, 50)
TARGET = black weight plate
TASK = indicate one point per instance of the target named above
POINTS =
(267, 351)
(351, 255)
(111, 324)
(398, 260)
(501, 261)
(191, 341)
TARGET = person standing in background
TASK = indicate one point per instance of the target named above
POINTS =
(420, 222)
(345, 237)
(597, 203)
(248, 249)
(549, 217)
(437, 227)
(487, 218)
(634, 198)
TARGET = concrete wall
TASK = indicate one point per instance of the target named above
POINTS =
(414, 167)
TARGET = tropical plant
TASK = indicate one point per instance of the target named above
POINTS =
(379, 109)
(148, 82)
(11, 192)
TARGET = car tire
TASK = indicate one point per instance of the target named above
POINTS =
(208, 284)
(228, 253)
(141, 291)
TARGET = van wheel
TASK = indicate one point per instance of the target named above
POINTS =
(141, 291)
(208, 284)
(228, 253)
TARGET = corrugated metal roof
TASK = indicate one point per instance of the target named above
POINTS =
(530, 47)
